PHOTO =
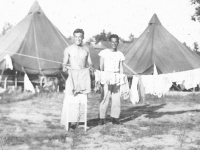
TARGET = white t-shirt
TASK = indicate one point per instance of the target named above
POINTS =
(111, 59)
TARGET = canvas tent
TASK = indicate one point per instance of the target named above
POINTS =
(157, 45)
(38, 42)
(101, 45)
(94, 56)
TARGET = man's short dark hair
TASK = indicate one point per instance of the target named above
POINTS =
(79, 31)
(114, 36)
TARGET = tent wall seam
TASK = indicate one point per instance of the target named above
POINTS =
(153, 26)
(165, 47)
(35, 40)
(152, 43)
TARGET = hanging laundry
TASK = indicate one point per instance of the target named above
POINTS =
(79, 81)
(109, 77)
(155, 72)
(141, 90)
(28, 86)
(134, 96)
(156, 85)
(192, 79)
(8, 61)
(97, 75)
(124, 90)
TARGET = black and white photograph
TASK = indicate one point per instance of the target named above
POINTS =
(99, 74)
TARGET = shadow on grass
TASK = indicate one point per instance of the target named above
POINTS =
(129, 114)
(157, 103)
(150, 112)
(93, 122)
(191, 98)
(160, 114)
(135, 112)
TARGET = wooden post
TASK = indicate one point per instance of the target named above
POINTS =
(16, 79)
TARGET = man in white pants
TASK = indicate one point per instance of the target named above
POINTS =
(111, 60)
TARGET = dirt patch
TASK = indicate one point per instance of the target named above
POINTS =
(32, 122)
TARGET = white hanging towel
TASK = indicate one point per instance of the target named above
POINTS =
(28, 86)
(8, 60)
(134, 96)
(124, 90)
(155, 72)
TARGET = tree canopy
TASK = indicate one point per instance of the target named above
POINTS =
(104, 36)
(6, 28)
(196, 15)
(196, 46)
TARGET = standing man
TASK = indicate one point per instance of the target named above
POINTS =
(77, 54)
(77, 62)
(111, 60)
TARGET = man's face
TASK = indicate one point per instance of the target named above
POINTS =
(78, 38)
(114, 43)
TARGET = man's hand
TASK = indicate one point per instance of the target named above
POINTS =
(92, 68)
(65, 68)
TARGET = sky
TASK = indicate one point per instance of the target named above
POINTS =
(121, 17)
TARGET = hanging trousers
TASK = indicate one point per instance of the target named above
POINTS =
(114, 92)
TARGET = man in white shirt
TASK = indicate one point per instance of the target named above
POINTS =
(111, 60)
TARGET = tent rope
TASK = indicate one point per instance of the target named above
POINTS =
(135, 73)
(32, 57)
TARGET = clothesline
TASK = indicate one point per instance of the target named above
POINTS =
(33, 57)
(158, 84)
(135, 73)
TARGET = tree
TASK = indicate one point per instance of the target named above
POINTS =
(196, 15)
(103, 36)
(196, 46)
(6, 28)
(131, 37)
(108, 35)
(187, 46)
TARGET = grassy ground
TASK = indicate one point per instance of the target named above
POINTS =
(32, 122)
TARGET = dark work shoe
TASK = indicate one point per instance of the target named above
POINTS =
(116, 121)
(102, 122)
(72, 126)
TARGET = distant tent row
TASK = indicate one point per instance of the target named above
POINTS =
(36, 46)
(105, 44)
